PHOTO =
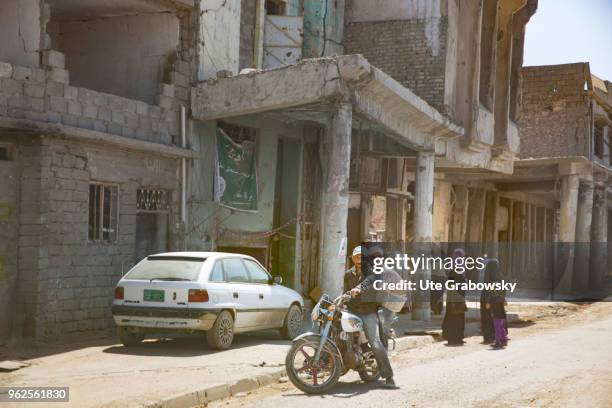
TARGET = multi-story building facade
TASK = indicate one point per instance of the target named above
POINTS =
(90, 153)
(407, 107)
(113, 117)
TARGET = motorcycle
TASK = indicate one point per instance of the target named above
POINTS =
(316, 361)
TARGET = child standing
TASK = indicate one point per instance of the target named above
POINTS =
(495, 305)
(498, 312)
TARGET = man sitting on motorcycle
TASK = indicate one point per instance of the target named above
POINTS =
(367, 310)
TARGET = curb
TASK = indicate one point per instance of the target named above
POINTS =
(217, 392)
(206, 395)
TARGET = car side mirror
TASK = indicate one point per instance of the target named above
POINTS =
(277, 279)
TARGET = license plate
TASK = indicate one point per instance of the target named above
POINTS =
(153, 295)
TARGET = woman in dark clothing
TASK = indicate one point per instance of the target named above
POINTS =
(494, 305)
(453, 325)
(486, 320)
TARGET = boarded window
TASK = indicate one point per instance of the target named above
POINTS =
(103, 212)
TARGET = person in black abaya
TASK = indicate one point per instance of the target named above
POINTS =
(486, 319)
(453, 325)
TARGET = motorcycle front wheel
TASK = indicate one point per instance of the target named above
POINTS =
(305, 374)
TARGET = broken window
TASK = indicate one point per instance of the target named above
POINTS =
(103, 212)
(276, 7)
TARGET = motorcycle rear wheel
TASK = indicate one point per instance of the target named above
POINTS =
(329, 366)
(370, 372)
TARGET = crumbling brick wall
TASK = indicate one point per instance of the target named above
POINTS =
(554, 116)
(402, 49)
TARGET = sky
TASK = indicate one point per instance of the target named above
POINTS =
(565, 31)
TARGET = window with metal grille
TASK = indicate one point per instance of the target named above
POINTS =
(103, 212)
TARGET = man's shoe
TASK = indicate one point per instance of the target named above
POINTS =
(390, 384)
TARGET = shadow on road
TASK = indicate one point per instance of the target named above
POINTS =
(342, 390)
(193, 345)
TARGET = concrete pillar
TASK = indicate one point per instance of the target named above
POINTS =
(606, 143)
(441, 210)
(366, 216)
(567, 232)
(395, 220)
(490, 223)
(335, 199)
(584, 216)
(423, 226)
(476, 211)
(460, 212)
(599, 238)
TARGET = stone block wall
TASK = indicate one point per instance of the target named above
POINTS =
(554, 116)
(46, 96)
(69, 280)
(403, 49)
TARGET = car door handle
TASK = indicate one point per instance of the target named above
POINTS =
(235, 295)
(261, 295)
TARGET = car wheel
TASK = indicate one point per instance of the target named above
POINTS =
(293, 323)
(128, 337)
(221, 335)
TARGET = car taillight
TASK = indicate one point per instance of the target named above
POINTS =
(198, 295)
(119, 292)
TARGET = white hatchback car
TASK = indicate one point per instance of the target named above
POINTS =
(213, 292)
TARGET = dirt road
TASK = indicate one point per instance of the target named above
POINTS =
(560, 362)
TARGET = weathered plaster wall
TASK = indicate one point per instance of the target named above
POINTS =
(323, 28)
(126, 56)
(213, 225)
(74, 279)
(219, 37)
(20, 32)
(554, 111)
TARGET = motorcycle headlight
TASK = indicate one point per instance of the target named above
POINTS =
(314, 315)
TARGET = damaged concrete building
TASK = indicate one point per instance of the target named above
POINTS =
(90, 152)
(412, 105)
(397, 123)
(566, 114)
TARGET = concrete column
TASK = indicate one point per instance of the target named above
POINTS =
(476, 211)
(441, 210)
(335, 199)
(584, 216)
(599, 238)
(490, 223)
(460, 211)
(423, 226)
(606, 142)
(395, 220)
(567, 231)
(366, 217)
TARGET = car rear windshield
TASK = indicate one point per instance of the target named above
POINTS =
(169, 268)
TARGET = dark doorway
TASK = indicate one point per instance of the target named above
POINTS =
(286, 204)
(151, 234)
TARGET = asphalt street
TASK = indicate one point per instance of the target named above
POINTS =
(565, 366)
